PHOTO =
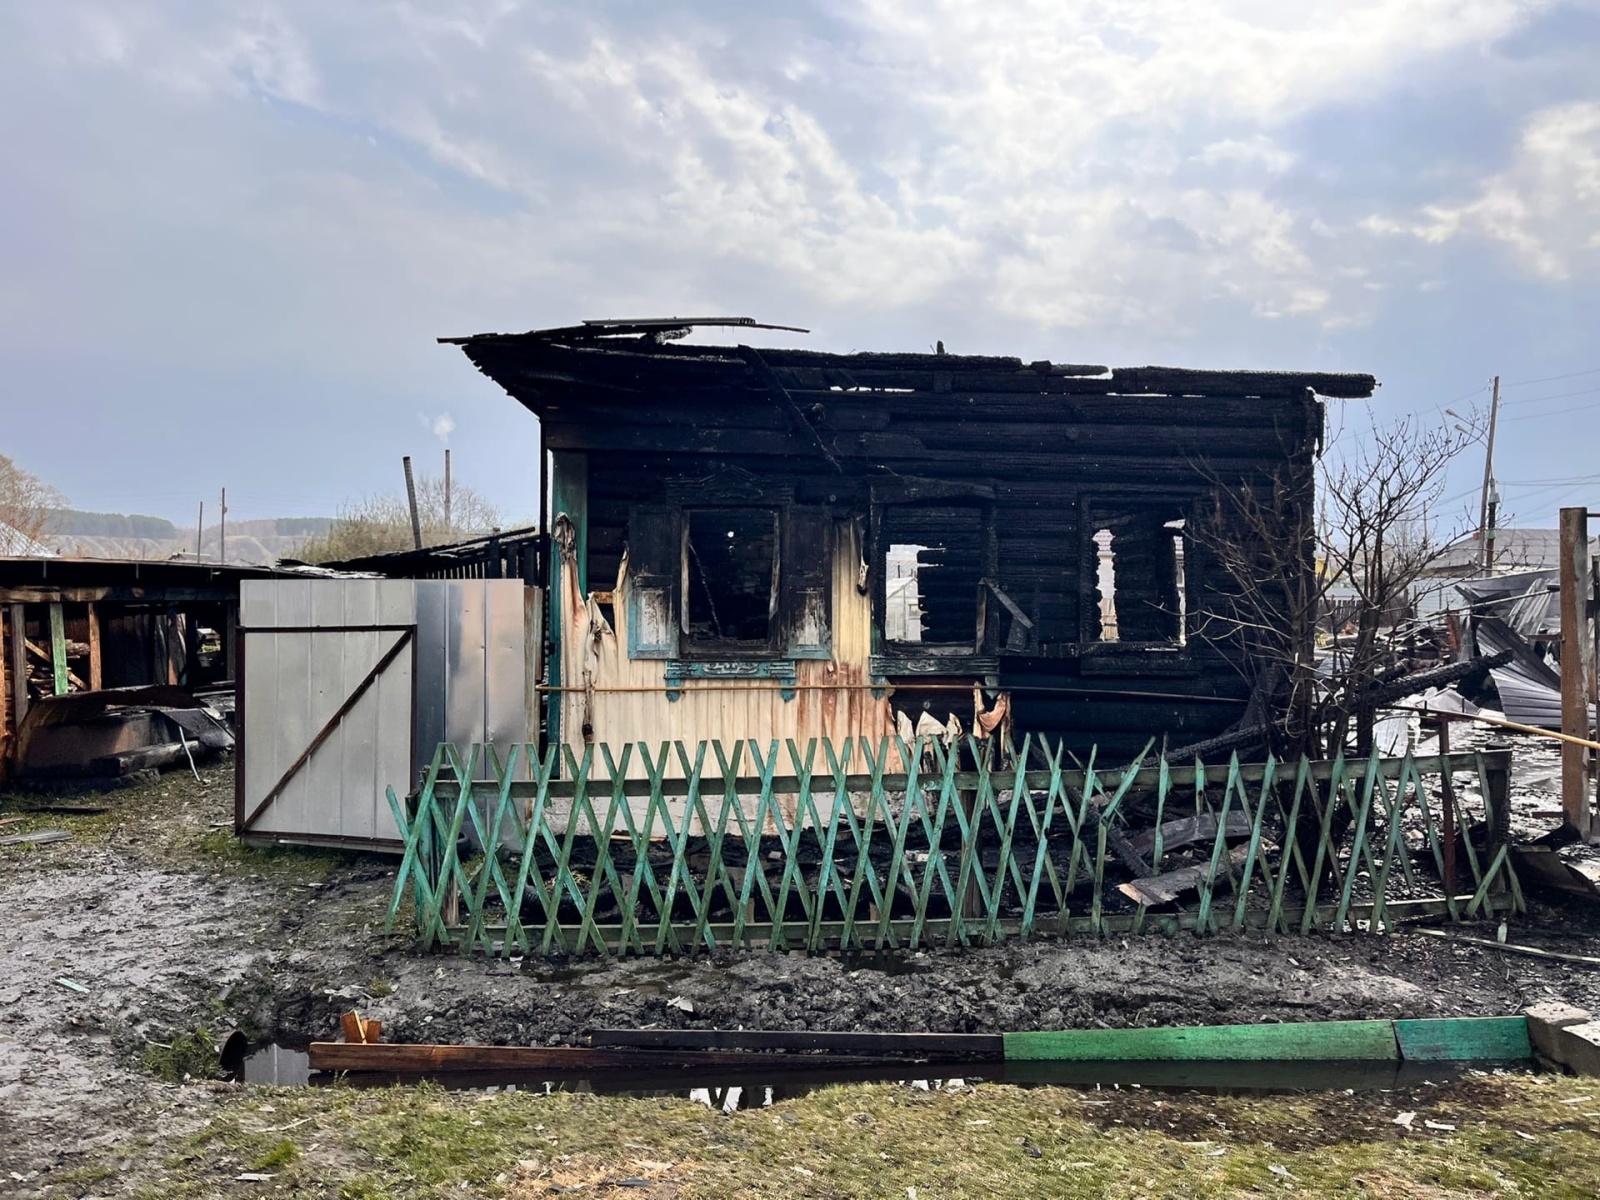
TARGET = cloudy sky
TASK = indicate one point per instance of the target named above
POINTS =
(230, 232)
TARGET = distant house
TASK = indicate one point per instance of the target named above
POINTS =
(1516, 552)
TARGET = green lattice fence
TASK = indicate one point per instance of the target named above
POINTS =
(893, 846)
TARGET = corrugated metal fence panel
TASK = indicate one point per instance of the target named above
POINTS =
(472, 664)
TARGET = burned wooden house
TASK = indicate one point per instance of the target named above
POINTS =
(772, 543)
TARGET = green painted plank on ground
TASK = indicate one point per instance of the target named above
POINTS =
(1464, 1039)
(1324, 1041)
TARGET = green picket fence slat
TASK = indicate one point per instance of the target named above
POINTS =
(865, 846)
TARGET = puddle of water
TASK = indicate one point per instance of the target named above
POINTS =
(272, 1064)
(730, 1089)
(1234, 1078)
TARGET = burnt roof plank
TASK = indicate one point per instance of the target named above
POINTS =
(1183, 381)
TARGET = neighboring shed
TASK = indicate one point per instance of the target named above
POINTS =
(783, 543)
(71, 625)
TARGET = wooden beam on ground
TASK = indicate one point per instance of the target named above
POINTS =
(1464, 1039)
(1323, 1041)
(1167, 887)
(927, 1047)
(409, 1059)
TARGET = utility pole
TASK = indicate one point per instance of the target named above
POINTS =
(449, 529)
(222, 530)
(411, 499)
(200, 533)
(1486, 513)
(1577, 671)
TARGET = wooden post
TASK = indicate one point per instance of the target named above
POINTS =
(411, 502)
(175, 648)
(19, 665)
(1449, 814)
(96, 675)
(5, 696)
(1485, 523)
(569, 494)
(230, 638)
(58, 648)
(1577, 669)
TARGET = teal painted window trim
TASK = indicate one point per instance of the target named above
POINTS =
(679, 669)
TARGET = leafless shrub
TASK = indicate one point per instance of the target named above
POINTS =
(28, 507)
(1375, 530)
(378, 524)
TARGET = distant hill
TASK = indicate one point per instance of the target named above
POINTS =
(72, 522)
(114, 535)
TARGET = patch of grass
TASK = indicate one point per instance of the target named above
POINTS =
(84, 827)
(1512, 1136)
(281, 1155)
(81, 1180)
(188, 1056)
(221, 850)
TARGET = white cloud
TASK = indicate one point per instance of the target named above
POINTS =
(1545, 207)
(1070, 167)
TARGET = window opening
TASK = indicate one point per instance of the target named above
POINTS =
(902, 618)
(1181, 599)
(730, 577)
(932, 564)
(1139, 594)
(1106, 582)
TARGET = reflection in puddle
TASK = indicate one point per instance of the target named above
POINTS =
(733, 1097)
(277, 1066)
(272, 1064)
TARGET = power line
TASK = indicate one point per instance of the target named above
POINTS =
(1557, 396)
(1562, 479)
(1553, 378)
(1563, 489)
(1556, 412)
(1464, 396)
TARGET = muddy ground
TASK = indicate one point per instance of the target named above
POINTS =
(169, 926)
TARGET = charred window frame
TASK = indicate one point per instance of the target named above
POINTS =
(930, 560)
(730, 582)
(1136, 578)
